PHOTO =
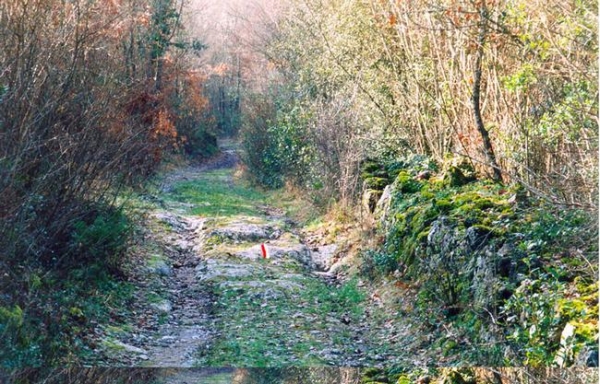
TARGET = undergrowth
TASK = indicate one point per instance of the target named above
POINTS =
(48, 313)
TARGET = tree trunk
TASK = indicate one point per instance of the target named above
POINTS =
(476, 96)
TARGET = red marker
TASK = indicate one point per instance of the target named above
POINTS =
(265, 254)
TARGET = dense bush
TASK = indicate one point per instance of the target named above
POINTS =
(313, 148)
(56, 322)
(510, 85)
(90, 102)
(259, 145)
(99, 239)
(93, 95)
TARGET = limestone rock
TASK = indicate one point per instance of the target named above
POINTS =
(383, 204)
(591, 358)
(241, 231)
(162, 307)
(441, 237)
(477, 237)
(322, 256)
(370, 198)
(277, 250)
(161, 268)
(215, 270)
(173, 221)
(128, 348)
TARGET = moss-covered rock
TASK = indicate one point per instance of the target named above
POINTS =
(458, 376)
(470, 244)
(377, 183)
(455, 177)
(443, 205)
(407, 183)
(458, 172)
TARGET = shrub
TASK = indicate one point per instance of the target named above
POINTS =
(260, 149)
(378, 262)
(101, 238)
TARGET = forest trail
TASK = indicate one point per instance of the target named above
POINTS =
(209, 297)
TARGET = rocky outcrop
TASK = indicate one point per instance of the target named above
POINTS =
(383, 205)
(483, 257)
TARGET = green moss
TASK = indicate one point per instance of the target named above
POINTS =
(406, 183)
(466, 197)
(422, 237)
(410, 232)
(586, 331)
(448, 347)
(117, 331)
(467, 212)
(472, 206)
(458, 376)
(581, 311)
(373, 376)
(436, 184)
(426, 194)
(400, 217)
(403, 177)
(456, 177)
(585, 287)
(215, 240)
(443, 205)
(377, 183)
(483, 203)
(112, 346)
(484, 229)
(373, 169)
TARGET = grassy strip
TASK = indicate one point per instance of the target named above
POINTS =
(289, 329)
(214, 194)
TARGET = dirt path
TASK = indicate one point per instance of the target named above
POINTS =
(207, 296)
(187, 306)
(175, 307)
